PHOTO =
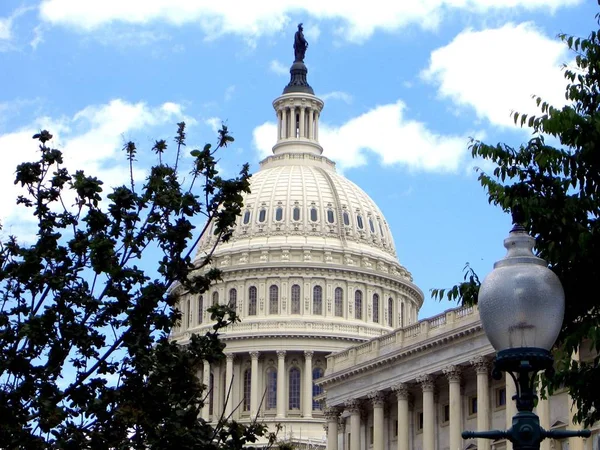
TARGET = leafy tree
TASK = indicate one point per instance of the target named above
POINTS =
(85, 356)
(557, 189)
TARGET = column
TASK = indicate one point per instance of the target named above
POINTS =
(427, 385)
(302, 135)
(353, 407)
(317, 125)
(281, 383)
(217, 392)
(311, 118)
(254, 384)
(308, 397)
(284, 123)
(292, 123)
(483, 400)
(377, 399)
(229, 401)
(453, 375)
(511, 406)
(332, 415)
(401, 391)
(206, 383)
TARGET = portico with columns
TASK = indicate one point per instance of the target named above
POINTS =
(419, 387)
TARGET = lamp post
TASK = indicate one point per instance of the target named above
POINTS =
(522, 304)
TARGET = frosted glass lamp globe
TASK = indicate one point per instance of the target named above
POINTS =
(521, 302)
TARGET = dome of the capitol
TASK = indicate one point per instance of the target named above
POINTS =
(311, 268)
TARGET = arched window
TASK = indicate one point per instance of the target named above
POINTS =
(317, 390)
(376, 308)
(215, 298)
(391, 312)
(339, 302)
(295, 299)
(279, 214)
(346, 218)
(402, 322)
(233, 299)
(294, 388)
(246, 388)
(252, 301)
(359, 222)
(189, 313)
(273, 299)
(358, 305)
(271, 388)
(262, 215)
(211, 388)
(380, 228)
(313, 214)
(330, 216)
(296, 214)
(318, 300)
(371, 225)
(200, 309)
(246, 217)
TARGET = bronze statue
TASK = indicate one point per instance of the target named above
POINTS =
(300, 45)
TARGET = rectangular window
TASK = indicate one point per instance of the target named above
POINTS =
(473, 405)
(419, 420)
(500, 397)
(371, 438)
(395, 428)
(446, 413)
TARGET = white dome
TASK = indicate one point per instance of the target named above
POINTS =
(299, 200)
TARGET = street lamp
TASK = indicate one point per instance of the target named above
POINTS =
(522, 305)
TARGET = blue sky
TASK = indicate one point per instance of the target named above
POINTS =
(404, 85)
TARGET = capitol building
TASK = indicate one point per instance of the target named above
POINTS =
(329, 345)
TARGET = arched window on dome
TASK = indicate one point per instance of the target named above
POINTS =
(215, 298)
(271, 388)
(252, 301)
(294, 388)
(330, 216)
(358, 297)
(391, 312)
(200, 309)
(296, 214)
(313, 214)
(247, 385)
(262, 215)
(189, 313)
(376, 308)
(318, 372)
(346, 217)
(339, 302)
(371, 225)
(273, 300)
(246, 217)
(279, 214)
(402, 321)
(233, 299)
(295, 299)
(380, 228)
(318, 300)
(359, 222)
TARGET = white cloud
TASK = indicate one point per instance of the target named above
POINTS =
(386, 132)
(229, 92)
(278, 67)
(496, 71)
(90, 140)
(6, 27)
(252, 19)
(214, 123)
(337, 95)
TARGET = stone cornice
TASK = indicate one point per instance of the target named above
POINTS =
(402, 353)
